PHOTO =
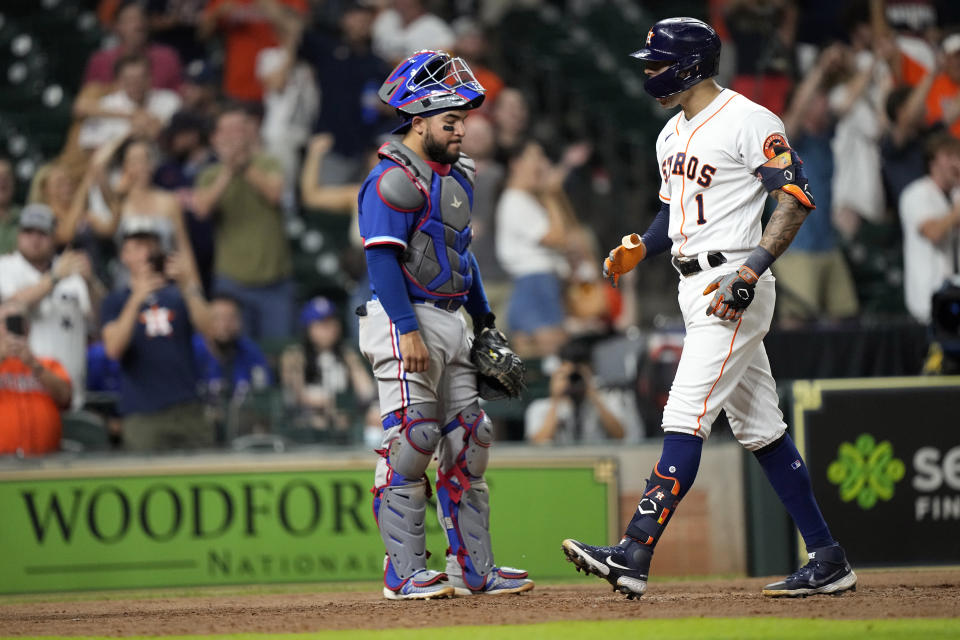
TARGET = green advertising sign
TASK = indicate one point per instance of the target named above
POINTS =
(176, 529)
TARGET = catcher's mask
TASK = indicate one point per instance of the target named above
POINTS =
(690, 45)
(428, 83)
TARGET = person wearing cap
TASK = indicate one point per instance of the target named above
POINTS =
(59, 294)
(323, 377)
(148, 328)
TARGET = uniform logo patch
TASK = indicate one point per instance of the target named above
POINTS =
(775, 144)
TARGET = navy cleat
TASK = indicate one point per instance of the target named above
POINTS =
(625, 566)
(827, 572)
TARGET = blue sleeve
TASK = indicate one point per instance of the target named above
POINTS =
(254, 358)
(202, 358)
(656, 239)
(381, 224)
(476, 305)
(112, 306)
(388, 282)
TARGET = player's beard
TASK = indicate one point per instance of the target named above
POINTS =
(438, 151)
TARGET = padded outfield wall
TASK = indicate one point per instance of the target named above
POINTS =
(129, 521)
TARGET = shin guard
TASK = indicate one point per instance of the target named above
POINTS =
(400, 491)
(660, 499)
(463, 503)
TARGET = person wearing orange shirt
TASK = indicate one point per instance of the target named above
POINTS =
(32, 391)
(943, 101)
(248, 26)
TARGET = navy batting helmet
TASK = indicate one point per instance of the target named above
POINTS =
(693, 47)
(428, 83)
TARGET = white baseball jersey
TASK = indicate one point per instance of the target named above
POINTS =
(58, 324)
(707, 170)
(708, 176)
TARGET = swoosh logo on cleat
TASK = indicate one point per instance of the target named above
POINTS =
(614, 564)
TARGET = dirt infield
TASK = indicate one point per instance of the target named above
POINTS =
(880, 594)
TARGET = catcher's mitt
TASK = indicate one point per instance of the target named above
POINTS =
(499, 369)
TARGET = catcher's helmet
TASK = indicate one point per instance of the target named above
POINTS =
(693, 47)
(428, 83)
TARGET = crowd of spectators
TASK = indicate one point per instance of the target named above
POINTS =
(152, 261)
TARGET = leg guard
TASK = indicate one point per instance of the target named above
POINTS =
(400, 492)
(660, 499)
(463, 503)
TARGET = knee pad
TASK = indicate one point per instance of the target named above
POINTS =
(411, 437)
(660, 500)
(463, 503)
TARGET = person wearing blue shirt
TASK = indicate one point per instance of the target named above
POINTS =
(415, 208)
(148, 328)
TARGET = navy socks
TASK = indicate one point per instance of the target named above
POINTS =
(670, 480)
(788, 474)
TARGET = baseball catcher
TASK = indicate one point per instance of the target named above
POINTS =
(415, 221)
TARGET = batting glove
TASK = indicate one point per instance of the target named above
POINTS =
(624, 258)
(734, 293)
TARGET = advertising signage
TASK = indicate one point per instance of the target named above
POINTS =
(884, 457)
(294, 525)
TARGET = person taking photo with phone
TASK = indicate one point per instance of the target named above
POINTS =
(148, 328)
(32, 390)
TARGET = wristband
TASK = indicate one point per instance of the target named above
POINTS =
(759, 260)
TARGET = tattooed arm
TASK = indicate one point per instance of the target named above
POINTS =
(783, 224)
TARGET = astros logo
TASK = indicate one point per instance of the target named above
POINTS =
(649, 37)
(775, 144)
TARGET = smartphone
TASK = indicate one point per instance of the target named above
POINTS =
(14, 324)
(159, 262)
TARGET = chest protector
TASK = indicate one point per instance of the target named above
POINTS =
(437, 260)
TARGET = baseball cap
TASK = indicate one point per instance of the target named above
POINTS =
(39, 217)
(199, 72)
(951, 44)
(131, 226)
(315, 310)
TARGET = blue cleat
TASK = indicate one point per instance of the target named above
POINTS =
(500, 580)
(827, 572)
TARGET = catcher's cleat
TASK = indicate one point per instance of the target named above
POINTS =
(625, 566)
(423, 585)
(827, 572)
(499, 581)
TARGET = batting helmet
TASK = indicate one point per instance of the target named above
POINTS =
(428, 83)
(693, 47)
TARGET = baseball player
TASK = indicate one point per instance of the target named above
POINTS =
(719, 157)
(415, 220)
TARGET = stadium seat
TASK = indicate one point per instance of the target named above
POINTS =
(85, 431)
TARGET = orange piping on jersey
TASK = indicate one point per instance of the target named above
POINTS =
(722, 367)
(663, 197)
(683, 183)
